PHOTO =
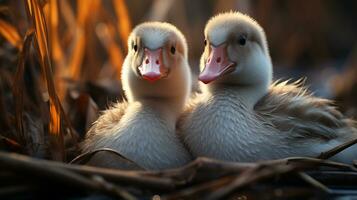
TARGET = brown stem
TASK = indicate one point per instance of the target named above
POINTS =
(328, 154)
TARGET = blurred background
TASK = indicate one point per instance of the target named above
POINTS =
(70, 66)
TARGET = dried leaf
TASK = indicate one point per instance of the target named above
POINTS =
(75, 61)
(106, 35)
(56, 50)
(18, 87)
(10, 33)
(60, 61)
(67, 13)
(84, 8)
(10, 144)
(124, 23)
(56, 133)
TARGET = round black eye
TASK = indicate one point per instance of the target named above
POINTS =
(205, 42)
(242, 40)
(173, 50)
(135, 47)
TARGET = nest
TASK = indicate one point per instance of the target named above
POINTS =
(290, 178)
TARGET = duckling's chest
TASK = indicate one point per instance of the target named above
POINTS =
(142, 129)
(148, 140)
(220, 114)
(223, 128)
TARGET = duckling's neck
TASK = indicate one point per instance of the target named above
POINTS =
(248, 95)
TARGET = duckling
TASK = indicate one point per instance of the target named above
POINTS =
(156, 78)
(242, 116)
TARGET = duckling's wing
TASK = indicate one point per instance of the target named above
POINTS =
(103, 125)
(290, 108)
(108, 119)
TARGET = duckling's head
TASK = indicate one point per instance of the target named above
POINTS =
(236, 52)
(156, 65)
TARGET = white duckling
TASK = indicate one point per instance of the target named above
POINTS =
(156, 79)
(242, 116)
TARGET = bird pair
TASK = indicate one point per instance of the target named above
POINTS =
(240, 115)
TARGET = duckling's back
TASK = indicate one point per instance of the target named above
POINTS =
(295, 112)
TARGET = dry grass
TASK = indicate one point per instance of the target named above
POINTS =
(55, 54)
(10, 33)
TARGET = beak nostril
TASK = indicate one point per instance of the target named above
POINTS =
(208, 60)
(218, 60)
(147, 61)
(157, 62)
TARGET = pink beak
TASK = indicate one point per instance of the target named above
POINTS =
(217, 64)
(151, 68)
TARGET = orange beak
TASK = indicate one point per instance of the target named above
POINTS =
(217, 64)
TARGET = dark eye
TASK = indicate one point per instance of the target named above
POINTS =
(135, 47)
(242, 40)
(173, 50)
(205, 42)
